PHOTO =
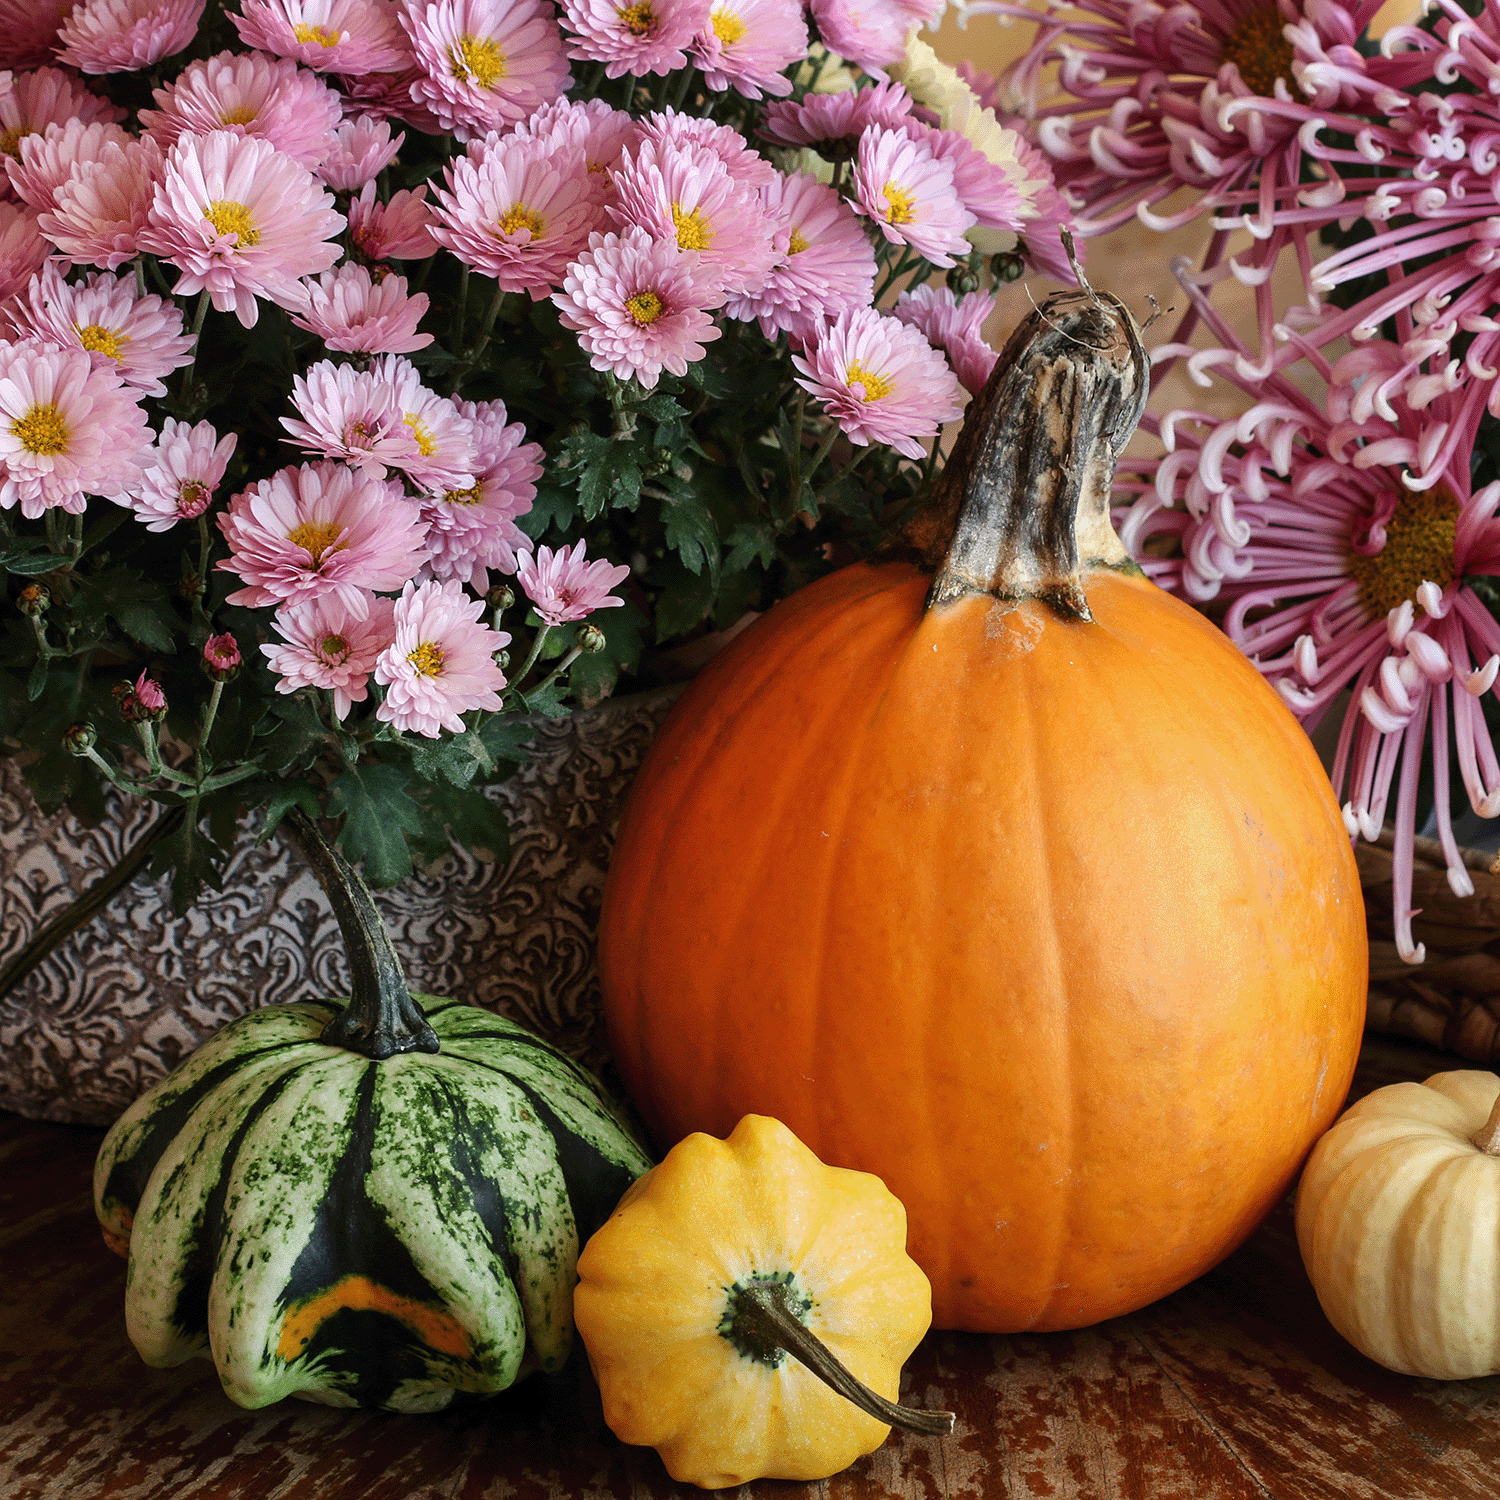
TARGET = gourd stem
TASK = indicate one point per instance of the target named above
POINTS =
(381, 1018)
(1487, 1137)
(763, 1320)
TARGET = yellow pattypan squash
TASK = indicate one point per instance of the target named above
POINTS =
(725, 1273)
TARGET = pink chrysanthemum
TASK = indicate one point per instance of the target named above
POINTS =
(327, 647)
(22, 248)
(30, 102)
(347, 37)
(519, 214)
(564, 585)
(139, 338)
(68, 429)
(869, 33)
(100, 212)
(249, 94)
(909, 193)
(600, 131)
(954, 326)
(638, 306)
(684, 195)
(28, 31)
(390, 94)
(181, 472)
(221, 657)
(45, 160)
(441, 663)
(119, 36)
(241, 220)
(880, 381)
(362, 149)
(400, 229)
(747, 44)
(831, 124)
(828, 268)
(650, 36)
(352, 312)
(471, 531)
(741, 160)
(985, 188)
(321, 530)
(485, 63)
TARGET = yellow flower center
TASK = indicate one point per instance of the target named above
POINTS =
(471, 496)
(427, 659)
(876, 386)
(639, 19)
(318, 537)
(901, 206)
(727, 26)
(98, 339)
(644, 307)
(42, 430)
(796, 245)
(10, 140)
(319, 34)
(241, 115)
(477, 60)
(232, 218)
(520, 217)
(192, 498)
(334, 649)
(694, 232)
(1258, 49)
(426, 443)
(1418, 549)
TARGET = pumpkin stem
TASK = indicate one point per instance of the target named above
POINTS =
(381, 1018)
(761, 1320)
(1022, 507)
(1487, 1137)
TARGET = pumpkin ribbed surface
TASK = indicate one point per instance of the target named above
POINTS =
(1052, 924)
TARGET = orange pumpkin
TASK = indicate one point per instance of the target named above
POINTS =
(994, 870)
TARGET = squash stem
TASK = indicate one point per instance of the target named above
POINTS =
(762, 1320)
(1487, 1137)
(381, 1018)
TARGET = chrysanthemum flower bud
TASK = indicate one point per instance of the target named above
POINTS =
(964, 276)
(500, 597)
(1007, 266)
(34, 599)
(143, 702)
(590, 639)
(221, 657)
(78, 739)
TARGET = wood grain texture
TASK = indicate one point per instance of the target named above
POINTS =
(1235, 1388)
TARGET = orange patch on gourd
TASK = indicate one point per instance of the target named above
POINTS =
(117, 1232)
(436, 1328)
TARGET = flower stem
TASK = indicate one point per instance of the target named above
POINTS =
(209, 715)
(573, 654)
(530, 662)
(829, 438)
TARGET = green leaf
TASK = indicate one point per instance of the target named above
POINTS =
(456, 758)
(750, 542)
(546, 701)
(278, 798)
(378, 814)
(292, 735)
(139, 606)
(467, 817)
(592, 678)
(683, 602)
(692, 534)
(508, 740)
(194, 859)
(37, 680)
(551, 507)
(27, 562)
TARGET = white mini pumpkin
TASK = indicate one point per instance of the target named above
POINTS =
(1398, 1219)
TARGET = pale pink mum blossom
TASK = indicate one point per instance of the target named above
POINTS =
(400, 229)
(181, 472)
(68, 429)
(390, 94)
(30, 102)
(139, 338)
(353, 313)
(441, 663)
(597, 128)
(321, 530)
(638, 306)
(241, 220)
(747, 44)
(119, 36)
(46, 159)
(347, 37)
(909, 193)
(741, 160)
(22, 248)
(564, 585)
(471, 531)
(221, 656)
(869, 33)
(684, 195)
(249, 94)
(327, 647)
(520, 214)
(880, 381)
(828, 268)
(647, 36)
(485, 63)
(956, 326)
(363, 149)
(987, 189)
(831, 124)
(100, 212)
(149, 696)
(28, 31)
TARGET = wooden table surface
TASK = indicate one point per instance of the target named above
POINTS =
(1234, 1387)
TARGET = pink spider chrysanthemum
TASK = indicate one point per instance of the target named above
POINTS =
(253, 95)
(649, 36)
(324, 646)
(23, 250)
(473, 531)
(520, 213)
(68, 429)
(741, 160)
(880, 381)
(347, 37)
(182, 470)
(954, 325)
(353, 313)
(100, 212)
(638, 306)
(909, 193)
(119, 36)
(28, 31)
(831, 124)
(869, 33)
(565, 585)
(485, 63)
(747, 44)
(441, 663)
(241, 220)
(139, 338)
(363, 148)
(828, 268)
(399, 229)
(46, 159)
(321, 530)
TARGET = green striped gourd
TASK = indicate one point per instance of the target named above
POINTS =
(359, 1203)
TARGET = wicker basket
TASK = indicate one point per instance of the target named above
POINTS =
(1451, 1001)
